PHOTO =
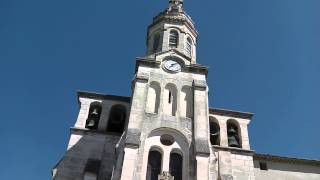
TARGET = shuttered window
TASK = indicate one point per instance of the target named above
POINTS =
(174, 39)
(189, 47)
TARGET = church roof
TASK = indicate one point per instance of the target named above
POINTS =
(268, 157)
(231, 113)
(103, 96)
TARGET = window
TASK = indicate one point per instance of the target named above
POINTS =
(263, 166)
(233, 134)
(170, 100)
(214, 132)
(153, 99)
(117, 119)
(186, 102)
(189, 47)
(94, 116)
(156, 41)
(176, 166)
(173, 39)
(154, 165)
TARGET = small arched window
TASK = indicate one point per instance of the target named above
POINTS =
(233, 130)
(94, 116)
(176, 161)
(214, 132)
(189, 46)
(156, 42)
(154, 165)
(117, 119)
(170, 100)
(153, 99)
(173, 39)
(186, 102)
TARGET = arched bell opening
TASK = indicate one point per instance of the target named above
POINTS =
(176, 165)
(94, 116)
(117, 119)
(173, 39)
(234, 134)
(168, 141)
(214, 132)
(154, 164)
(189, 48)
(153, 99)
(170, 100)
(156, 42)
(186, 102)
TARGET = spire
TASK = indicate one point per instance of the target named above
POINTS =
(175, 5)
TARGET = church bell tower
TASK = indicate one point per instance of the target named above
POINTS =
(165, 130)
(168, 126)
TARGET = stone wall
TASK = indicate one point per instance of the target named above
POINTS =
(281, 170)
(83, 147)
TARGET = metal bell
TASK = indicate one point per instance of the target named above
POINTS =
(232, 130)
(93, 119)
(214, 138)
(91, 123)
(95, 112)
(215, 134)
(233, 141)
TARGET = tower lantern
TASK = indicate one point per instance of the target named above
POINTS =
(173, 30)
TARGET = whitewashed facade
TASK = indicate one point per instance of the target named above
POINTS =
(167, 130)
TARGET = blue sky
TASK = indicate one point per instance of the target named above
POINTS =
(264, 57)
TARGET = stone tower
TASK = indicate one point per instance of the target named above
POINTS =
(168, 126)
(166, 130)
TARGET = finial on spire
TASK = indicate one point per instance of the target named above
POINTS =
(175, 5)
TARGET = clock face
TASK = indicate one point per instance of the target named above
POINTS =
(172, 65)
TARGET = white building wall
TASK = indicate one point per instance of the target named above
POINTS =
(287, 171)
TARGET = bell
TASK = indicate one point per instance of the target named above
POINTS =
(91, 123)
(232, 130)
(214, 137)
(94, 112)
(215, 134)
(233, 141)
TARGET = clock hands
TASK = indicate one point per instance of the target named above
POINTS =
(173, 64)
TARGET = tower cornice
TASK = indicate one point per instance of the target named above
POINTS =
(192, 68)
(175, 17)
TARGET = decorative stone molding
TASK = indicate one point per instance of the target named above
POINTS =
(202, 147)
(84, 131)
(175, 17)
(235, 114)
(199, 85)
(133, 138)
(267, 157)
(100, 96)
(234, 150)
(142, 77)
(193, 68)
